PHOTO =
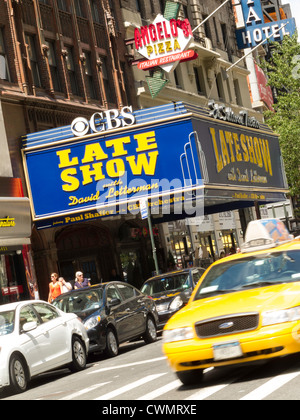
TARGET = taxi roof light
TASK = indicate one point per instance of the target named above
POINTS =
(265, 233)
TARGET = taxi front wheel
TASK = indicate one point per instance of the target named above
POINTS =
(190, 377)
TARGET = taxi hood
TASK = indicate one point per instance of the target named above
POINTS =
(259, 299)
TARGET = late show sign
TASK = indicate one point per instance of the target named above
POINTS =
(79, 180)
(164, 43)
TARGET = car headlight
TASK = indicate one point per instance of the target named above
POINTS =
(176, 303)
(179, 334)
(278, 317)
(92, 322)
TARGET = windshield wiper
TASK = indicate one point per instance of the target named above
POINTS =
(260, 284)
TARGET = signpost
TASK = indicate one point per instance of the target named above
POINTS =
(144, 209)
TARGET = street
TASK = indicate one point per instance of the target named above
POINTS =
(141, 372)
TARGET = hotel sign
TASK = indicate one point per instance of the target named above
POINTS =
(256, 30)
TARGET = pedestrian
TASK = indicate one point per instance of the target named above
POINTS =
(81, 282)
(55, 288)
(66, 286)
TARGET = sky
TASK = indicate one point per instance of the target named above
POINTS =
(295, 8)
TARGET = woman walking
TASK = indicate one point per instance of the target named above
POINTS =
(55, 288)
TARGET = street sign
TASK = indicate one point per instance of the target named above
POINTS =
(144, 208)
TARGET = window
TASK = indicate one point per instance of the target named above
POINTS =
(199, 79)
(216, 29)
(237, 92)
(78, 8)
(62, 5)
(53, 66)
(46, 312)
(4, 71)
(30, 41)
(94, 10)
(108, 90)
(224, 34)
(27, 314)
(177, 78)
(112, 293)
(71, 71)
(127, 291)
(206, 27)
(89, 75)
(220, 87)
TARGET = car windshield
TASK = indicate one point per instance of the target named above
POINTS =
(250, 272)
(83, 301)
(7, 321)
(166, 283)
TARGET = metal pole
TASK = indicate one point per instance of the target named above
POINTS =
(152, 240)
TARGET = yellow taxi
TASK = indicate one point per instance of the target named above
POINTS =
(246, 307)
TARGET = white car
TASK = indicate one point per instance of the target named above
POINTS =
(36, 337)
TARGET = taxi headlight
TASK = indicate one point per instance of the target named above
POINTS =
(278, 317)
(92, 322)
(179, 334)
(176, 303)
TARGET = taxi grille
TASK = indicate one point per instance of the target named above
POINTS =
(227, 325)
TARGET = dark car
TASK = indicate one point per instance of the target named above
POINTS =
(112, 313)
(171, 291)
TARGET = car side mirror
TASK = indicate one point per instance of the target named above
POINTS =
(114, 302)
(29, 326)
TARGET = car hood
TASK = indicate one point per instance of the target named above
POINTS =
(87, 313)
(260, 299)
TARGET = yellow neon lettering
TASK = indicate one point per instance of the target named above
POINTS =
(118, 145)
(67, 176)
(88, 173)
(146, 141)
(93, 152)
(217, 156)
(140, 163)
(64, 160)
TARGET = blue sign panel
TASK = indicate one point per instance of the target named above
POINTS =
(101, 170)
(250, 36)
(252, 12)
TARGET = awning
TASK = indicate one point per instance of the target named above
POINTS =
(15, 222)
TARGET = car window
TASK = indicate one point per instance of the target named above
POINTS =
(112, 293)
(7, 321)
(80, 301)
(127, 291)
(27, 314)
(46, 312)
(166, 283)
(196, 276)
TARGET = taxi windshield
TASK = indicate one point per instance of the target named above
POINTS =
(250, 272)
(7, 320)
(166, 283)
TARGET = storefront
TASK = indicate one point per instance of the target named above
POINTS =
(186, 161)
(17, 279)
